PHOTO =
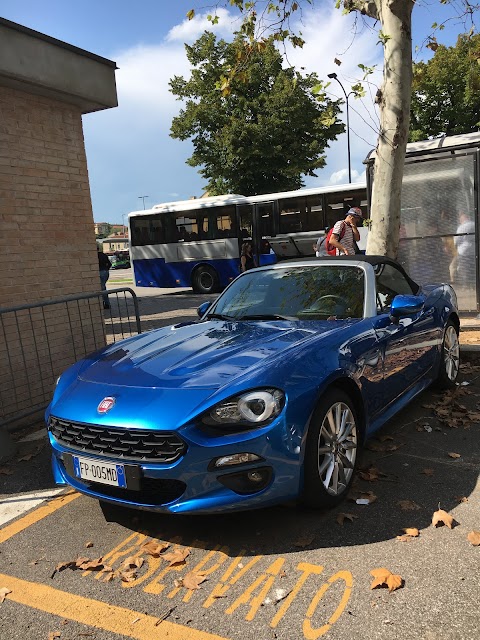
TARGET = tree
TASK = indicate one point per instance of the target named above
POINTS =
(446, 91)
(261, 134)
(393, 97)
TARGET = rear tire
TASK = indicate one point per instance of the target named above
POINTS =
(449, 358)
(205, 280)
(331, 451)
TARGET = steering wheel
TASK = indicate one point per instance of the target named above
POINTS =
(331, 303)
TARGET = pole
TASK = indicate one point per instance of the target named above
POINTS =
(143, 200)
(333, 76)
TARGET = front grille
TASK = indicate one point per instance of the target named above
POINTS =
(151, 491)
(121, 444)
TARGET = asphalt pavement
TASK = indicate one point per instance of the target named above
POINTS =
(283, 572)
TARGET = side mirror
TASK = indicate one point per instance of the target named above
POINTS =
(405, 306)
(203, 308)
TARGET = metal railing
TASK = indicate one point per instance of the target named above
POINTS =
(39, 341)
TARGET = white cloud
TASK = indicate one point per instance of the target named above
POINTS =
(190, 30)
(341, 176)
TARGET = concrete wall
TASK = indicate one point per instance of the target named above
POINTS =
(55, 69)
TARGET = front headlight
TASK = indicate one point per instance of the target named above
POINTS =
(247, 409)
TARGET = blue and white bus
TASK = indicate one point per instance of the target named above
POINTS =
(196, 243)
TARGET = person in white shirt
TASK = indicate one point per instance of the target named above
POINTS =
(345, 233)
(465, 246)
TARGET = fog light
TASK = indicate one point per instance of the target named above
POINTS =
(247, 482)
(235, 458)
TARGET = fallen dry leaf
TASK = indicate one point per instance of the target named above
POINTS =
(385, 577)
(82, 563)
(88, 545)
(304, 540)
(474, 538)
(6, 471)
(408, 505)
(133, 562)
(3, 593)
(154, 549)
(404, 538)
(428, 472)
(461, 499)
(372, 474)
(91, 565)
(54, 634)
(193, 580)
(176, 557)
(412, 531)
(128, 575)
(25, 458)
(454, 455)
(345, 516)
(442, 517)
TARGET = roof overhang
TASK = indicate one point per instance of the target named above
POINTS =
(36, 63)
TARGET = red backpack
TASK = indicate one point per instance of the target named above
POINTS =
(329, 248)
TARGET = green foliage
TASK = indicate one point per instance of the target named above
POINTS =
(446, 91)
(258, 129)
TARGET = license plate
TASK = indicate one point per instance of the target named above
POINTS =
(99, 471)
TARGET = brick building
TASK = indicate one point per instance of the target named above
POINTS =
(47, 240)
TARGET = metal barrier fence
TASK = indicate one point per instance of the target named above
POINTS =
(39, 341)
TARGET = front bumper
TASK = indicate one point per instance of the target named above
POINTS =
(188, 486)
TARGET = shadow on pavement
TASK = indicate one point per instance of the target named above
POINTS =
(406, 495)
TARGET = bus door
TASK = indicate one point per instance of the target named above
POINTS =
(256, 225)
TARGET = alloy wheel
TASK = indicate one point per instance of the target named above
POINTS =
(337, 448)
(451, 353)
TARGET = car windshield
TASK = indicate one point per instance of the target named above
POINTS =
(306, 293)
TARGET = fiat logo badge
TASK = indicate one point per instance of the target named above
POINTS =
(105, 405)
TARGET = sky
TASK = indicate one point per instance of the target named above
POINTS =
(129, 151)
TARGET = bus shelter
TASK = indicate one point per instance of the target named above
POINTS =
(439, 232)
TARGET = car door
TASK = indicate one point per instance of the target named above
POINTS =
(408, 347)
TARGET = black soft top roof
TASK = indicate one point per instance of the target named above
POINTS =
(375, 261)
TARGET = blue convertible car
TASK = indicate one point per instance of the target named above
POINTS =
(264, 399)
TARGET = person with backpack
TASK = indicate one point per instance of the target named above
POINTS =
(104, 265)
(342, 238)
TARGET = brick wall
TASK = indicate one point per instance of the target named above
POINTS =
(47, 241)
(47, 244)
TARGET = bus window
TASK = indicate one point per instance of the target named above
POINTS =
(186, 227)
(147, 230)
(265, 216)
(223, 223)
(314, 214)
(292, 214)
(245, 218)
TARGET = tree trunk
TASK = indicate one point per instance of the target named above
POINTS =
(394, 103)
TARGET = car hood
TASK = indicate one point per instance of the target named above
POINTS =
(202, 355)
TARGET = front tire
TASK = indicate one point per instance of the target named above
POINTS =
(331, 451)
(205, 280)
(449, 358)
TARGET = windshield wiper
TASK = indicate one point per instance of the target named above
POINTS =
(265, 316)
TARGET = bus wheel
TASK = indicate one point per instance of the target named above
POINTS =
(205, 280)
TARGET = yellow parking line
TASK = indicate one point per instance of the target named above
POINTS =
(37, 515)
(125, 622)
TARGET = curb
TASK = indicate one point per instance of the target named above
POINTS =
(470, 348)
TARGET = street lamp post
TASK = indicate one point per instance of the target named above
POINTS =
(143, 200)
(333, 76)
